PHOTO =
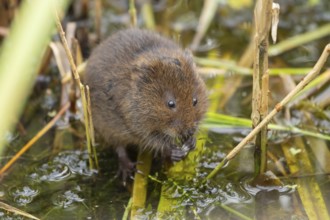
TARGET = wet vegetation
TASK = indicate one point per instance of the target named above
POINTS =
(48, 172)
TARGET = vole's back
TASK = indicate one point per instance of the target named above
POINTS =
(125, 46)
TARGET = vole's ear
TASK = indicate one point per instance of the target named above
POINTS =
(151, 65)
(170, 61)
(144, 70)
(188, 53)
(189, 56)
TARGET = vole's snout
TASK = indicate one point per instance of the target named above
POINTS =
(191, 131)
(187, 134)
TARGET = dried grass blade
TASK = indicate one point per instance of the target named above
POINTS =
(35, 138)
(16, 211)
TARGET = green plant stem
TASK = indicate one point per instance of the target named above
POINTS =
(132, 12)
(232, 66)
(139, 194)
(21, 57)
(225, 64)
(148, 15)
(299, 40)
(127, 210)
(214, 120)
(234, 212)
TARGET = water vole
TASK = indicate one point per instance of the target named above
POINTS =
(145, 92)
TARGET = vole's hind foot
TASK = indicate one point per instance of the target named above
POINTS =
(126, 168)
(125, 171)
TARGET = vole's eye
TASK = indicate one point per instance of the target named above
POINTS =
(194, 101)
(171, 104)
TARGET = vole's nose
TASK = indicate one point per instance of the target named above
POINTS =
(191, 131)
(188, 133)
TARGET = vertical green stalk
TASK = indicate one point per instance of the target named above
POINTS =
(139, 194)
(148, 15)
(132, 12)
(21, 55)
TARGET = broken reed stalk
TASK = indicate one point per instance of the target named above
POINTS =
(35, 138)
(132, 13)
(262, 20)
(87, 118)
(316, 69)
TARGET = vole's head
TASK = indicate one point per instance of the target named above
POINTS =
(169, 97)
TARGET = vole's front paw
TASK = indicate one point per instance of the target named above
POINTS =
(177, 153)
(189, 144)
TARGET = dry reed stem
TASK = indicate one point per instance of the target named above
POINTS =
(88, 128)
(17, 211)
(91, 125)
(35, 138)
(262, 20)
(263, 113)
(316, 69)
(98, 19)
(87, 125)
(313, 87)
(80, 69)
(208, 13)
(67, 50)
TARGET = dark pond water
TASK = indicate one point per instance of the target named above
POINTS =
(53, 182)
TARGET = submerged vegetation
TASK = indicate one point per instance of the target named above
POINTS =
(48, 173)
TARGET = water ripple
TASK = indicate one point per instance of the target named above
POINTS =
(67, 198)
(51, 173)
(23, 195)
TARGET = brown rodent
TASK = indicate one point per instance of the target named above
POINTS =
(145, 92)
